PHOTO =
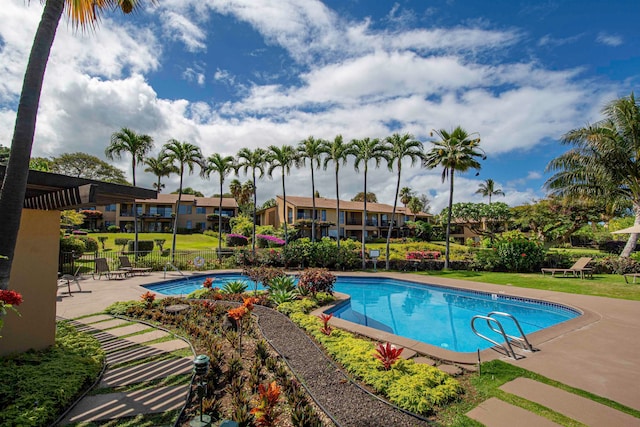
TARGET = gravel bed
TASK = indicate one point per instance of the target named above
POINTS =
(345, 402)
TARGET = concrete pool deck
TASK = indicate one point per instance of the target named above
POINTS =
(598, 352)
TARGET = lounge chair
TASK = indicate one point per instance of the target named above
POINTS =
(125, 264)
(66, 279)
(102, 267)
(634, 275)
(577, 269)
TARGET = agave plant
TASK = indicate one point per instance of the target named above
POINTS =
(234, 287)
(282, 283)
(282, 295)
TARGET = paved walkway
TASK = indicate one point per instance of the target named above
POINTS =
(597, 352)
(132, 361)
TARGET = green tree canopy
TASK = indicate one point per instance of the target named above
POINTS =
(481, 218)
(371, 197)
(83, 165)
(189, 190)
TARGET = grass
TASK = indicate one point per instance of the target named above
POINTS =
(494, 375)
(604, 285)
(183, 241)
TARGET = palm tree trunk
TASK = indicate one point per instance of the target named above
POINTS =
(337, 208)
(135, 210)
(286, 217)
(175, 221)
(313, 201)
(633, 238)
(448, 233)
(393, 212)
(255, 207)
(364, 220)
(14, 186)
(220, 222)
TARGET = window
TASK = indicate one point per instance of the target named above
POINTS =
(324, 215)
(139, 210)
(189, 225)
(289, 215)
(341, 217)
(110, 208)
(201, 210)
(200, 225)
(185, 209)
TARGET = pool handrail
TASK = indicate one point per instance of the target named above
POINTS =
(522, 340)
(169, 264)
(507, 344)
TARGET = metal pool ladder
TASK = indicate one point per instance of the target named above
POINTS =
(495, 325)
(169, 264)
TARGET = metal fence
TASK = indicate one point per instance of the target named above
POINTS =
(72, 263)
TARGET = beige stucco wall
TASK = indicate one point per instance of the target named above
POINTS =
(33, 274)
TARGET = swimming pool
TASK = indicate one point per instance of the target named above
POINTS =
(435, 315)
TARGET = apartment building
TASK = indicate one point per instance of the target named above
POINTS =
(157, 215)
(298, 212)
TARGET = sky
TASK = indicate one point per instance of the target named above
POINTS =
(228, 74)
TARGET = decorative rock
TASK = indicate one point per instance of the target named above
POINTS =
(176, 308)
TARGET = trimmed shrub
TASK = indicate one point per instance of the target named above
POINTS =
(144, 246)
(519, 254)
(234, 240)
(90, 244)
(71, 244)
(113, 229)
(122, 241)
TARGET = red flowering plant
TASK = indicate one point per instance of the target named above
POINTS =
(326, 327)
(208, 282)
(387, 354)
(314, 280)
(265, 411)
(148, 298)
(9, 300)
(238, 314)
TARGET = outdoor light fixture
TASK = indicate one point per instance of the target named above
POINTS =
(201, 369)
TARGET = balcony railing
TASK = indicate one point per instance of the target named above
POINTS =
(388, 223)
(354, 222)
(372, 223)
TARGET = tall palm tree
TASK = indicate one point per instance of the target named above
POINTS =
(603, 163)
(222, 166)
(82, 14)
(186, 155)
(159, 166)
(337, 152)
(487, 188)
(400, 147)
(235, 188)
(364, 150)
(285, 158)
(256, 161)
(138, 145)
(311, 149)
(455, 151)
(406, 194)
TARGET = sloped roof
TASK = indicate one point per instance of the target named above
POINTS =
(324, 203)
(171, 199)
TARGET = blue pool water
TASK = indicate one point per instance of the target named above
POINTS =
(435, 315)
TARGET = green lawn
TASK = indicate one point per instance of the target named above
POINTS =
(605, 285)
(183, 241)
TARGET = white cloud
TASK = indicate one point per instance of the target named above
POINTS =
(609, 39)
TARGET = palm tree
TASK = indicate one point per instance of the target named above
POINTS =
(284, 158)
(82, 14)
(337, 152)
(487, 188)
(254, 160)
(223, 166)
(311, 149)
(455, 151)
(398, 148)
(186, 155)
(603, 163)
(138, 145)
(364, 150)
(235, 188)
(159, 166)
(406, 194)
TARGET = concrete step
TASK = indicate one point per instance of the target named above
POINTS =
(146, 372)
(140, 352)
(119, 344)
(497, 413)
(119, 405)
(578, 408)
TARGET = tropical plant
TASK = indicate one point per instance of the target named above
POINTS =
(364, 150)
(14, 186)
(234, 287)
(281, 296)
(359, 197)
(222, 166)
(159, 166)
(254, 160)
(455, 151)
(265, 412)
(311, 149)
(9, 300)
(326, 327)
(487, 188)
(603, 163)
(187, 156)
(417, 205)
(399, 147)
(336, 151)
(148, 298)
(317, 280)
(387, 354)
(138, 145)
(406, 194)
(285, 158)
(282, 283)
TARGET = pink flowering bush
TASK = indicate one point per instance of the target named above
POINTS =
(265, 240)
(9, 300)
(420, 255)
(234, 239)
